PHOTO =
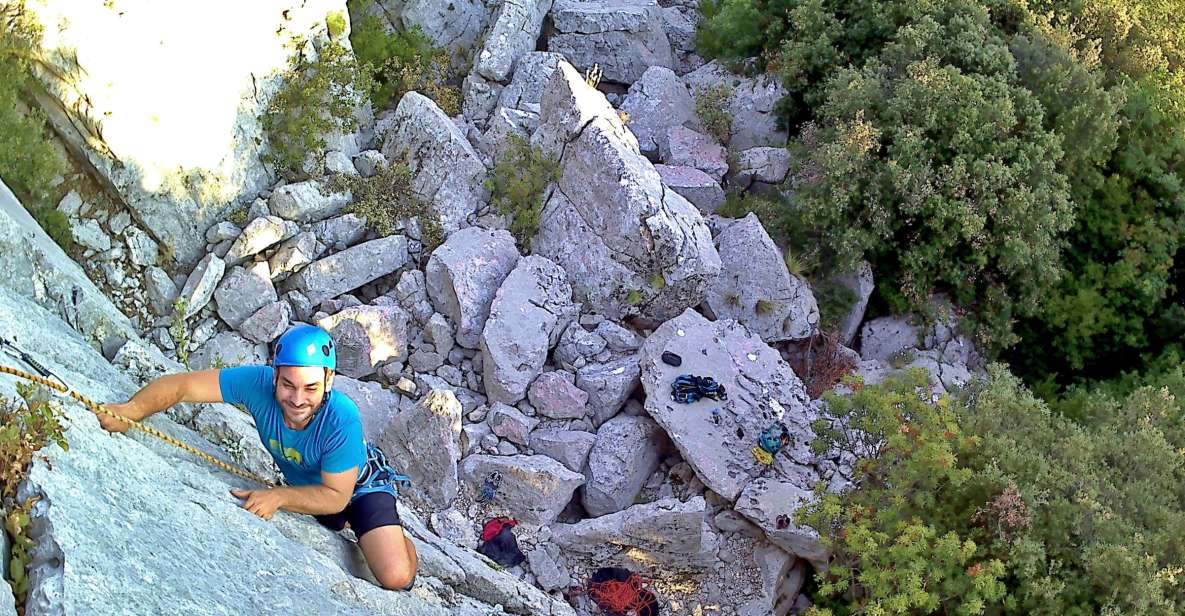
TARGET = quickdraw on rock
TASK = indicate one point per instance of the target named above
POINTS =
(620, 592)
(688, 388)
(771, 441)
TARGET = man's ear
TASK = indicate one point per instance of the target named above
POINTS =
(328, 379)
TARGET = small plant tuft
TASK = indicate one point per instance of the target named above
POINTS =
(711, 106)
(386, 199)
(26, 426)
(517, 186)
(179, 330)
(902, 358)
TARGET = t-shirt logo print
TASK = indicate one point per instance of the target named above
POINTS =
(290, 454)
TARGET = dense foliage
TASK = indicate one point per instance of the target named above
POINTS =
(1025, 157)
(990, 503)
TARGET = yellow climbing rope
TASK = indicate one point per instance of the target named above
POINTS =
(94, 406)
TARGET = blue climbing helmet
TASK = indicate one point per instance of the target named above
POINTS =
(306, 345)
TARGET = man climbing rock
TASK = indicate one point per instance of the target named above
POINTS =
(315, 436)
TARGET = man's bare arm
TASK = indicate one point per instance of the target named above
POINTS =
(331, 496)
(162, 393)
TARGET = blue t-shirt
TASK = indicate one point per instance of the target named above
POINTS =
(332, 442)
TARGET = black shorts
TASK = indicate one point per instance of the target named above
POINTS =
(365, 513)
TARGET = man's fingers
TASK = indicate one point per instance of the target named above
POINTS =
(241, 493)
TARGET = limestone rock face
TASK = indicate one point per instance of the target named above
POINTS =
(34, 267)
(190, 534)
(177, 161)
(624, 37)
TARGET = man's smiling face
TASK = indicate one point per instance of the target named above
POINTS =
(300, 391)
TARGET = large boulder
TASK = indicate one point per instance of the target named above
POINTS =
(759, 167)
(516, 29)
(186, 521)
(447, 174)
(623, 37)
(782, 492)
(267, 323)
(570, 447)
(656, 103)
(526, 88)
(243, 291)
(668, 532)
(886, 338)
(684, 147)
(295, 253)
(377, 405)
(307, 201)
(861, 285)
(201, 283)
(701, 189)
(349, 269)
(608, 385)
(368, 336)
(424, 443)
(533, 489)
(757, 289)
(259, 235)
(626, 453)
(227, 349)
(532, 307)
(463, 276)
(629, 245)
(455, 25)
(717, 437)
(751, 104)
(126, 121)
(555, 395)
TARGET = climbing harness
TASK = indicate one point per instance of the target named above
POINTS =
(97, 408)
(378, 472)
(489, 487)
(771, 441)
(620, 592)
(688, 388)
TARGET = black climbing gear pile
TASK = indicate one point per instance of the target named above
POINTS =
(499, 542)
(689, 388)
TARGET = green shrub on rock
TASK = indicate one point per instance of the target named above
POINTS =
(317, 97)
(990, 503)
(517, 186)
